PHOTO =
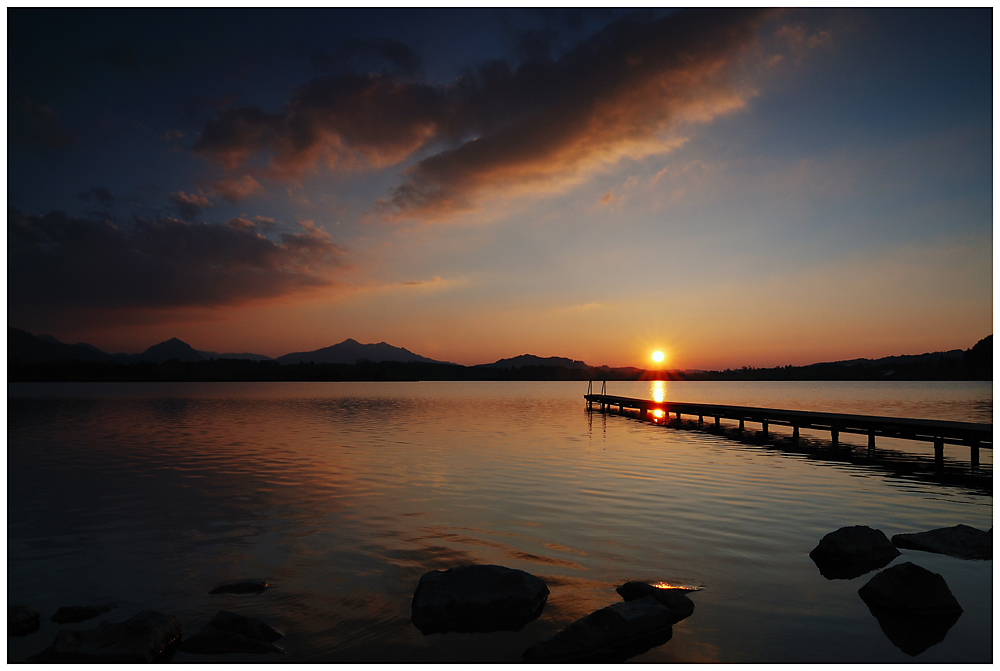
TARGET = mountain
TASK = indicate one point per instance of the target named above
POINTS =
(167, 351)
(903, 359)
(27, 348)
(351, 352)
(532, 360)
(232, 355)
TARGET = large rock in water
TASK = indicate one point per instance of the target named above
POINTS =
(144, 637)
(69, 614)
(911, 589)
(960, 541)
(913, 606)
(228, 632)
(680, 606)
(22, 621)
(611, 634)
(852, 551)
(477, 598)
(241, 587)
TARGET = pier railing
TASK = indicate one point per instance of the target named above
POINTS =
(975, 436)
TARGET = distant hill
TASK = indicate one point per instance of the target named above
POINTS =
(532, 360)
(904, 359)
(27, 348)
(168, 350)
(351, 352)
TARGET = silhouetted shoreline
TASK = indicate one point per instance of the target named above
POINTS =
(233, 370)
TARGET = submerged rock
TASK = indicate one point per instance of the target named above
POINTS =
(241, 587)
(850, 552)
(611, 634)
(22, 621)
(679, 604)
(228, 632)
(911, 589)
(69, 614)
(477, 598)
(144, 637)
(960, 541)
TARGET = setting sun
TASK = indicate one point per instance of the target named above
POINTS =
(658, 356)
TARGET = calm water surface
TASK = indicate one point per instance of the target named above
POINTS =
(343, 494)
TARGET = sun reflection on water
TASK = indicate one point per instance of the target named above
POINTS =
(659, 391)
(667, 585)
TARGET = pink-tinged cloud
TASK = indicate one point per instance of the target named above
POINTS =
(235, 189)
(541, 123)
(189, 204)
(60, 262)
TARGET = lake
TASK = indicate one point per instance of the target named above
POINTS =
(343, 494)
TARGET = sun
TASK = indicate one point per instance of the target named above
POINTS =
(658, 356)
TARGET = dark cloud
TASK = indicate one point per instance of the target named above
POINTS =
(368, 55)
(610, 95)
(37, 126)
(58, 262)
(99, 194)
(188, 205)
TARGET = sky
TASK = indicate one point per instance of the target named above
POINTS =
(732, 187)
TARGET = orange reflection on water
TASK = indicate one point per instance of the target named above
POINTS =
(659, 391)
(667, 585)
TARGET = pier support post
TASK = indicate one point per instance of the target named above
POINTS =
(871, 440)
(974, 455)
(835, 437)
(678, 413)
(718, 422)
(701, 419)
(642, 414)
(795, 434)
(763, 428)
(939, 454)
(741, 426)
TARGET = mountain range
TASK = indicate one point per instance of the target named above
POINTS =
(25, 348)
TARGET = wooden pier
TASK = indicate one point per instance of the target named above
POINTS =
(972, 435)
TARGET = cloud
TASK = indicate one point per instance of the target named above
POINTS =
(189, 204)
(58, 262)
(100, 194)
(235, 189)
(37, 126)
(540, 124)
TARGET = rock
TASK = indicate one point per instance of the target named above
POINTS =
(477, 598)
(144, 637)
(68, 614)
(960, 541)
(910, 589)
(22, 621)
(241, 587)
(611, 634)
(913, 633)
(679, 604)
(852, 551)
(228, 632)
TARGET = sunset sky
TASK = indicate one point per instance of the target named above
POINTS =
(730, 187)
